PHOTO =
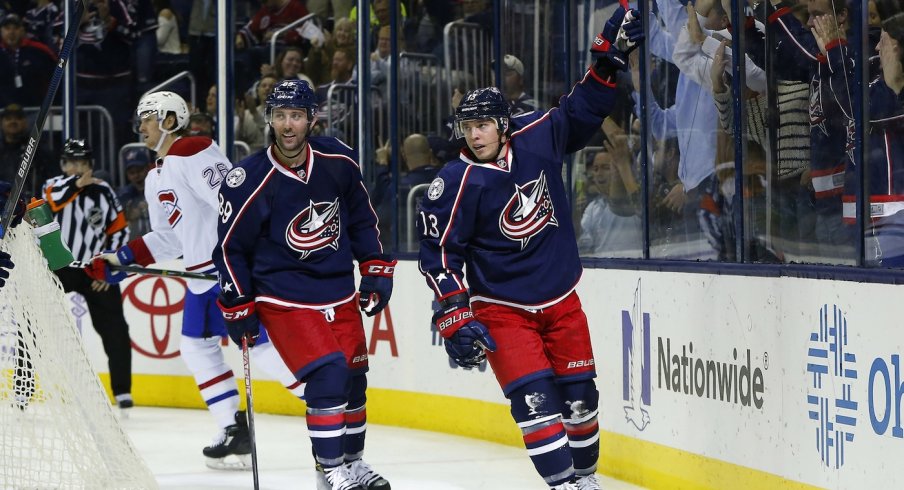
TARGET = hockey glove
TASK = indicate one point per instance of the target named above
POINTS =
(620, 36)
(18, 211)
(466, 339)
(6, 263)
(376, 284)
(100, 270)
(241, 320)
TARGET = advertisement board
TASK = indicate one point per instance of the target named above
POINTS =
(711, 380)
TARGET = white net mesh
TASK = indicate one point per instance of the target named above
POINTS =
(57, 427)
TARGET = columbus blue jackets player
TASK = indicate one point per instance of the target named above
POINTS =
(500, 212)
(293, 218)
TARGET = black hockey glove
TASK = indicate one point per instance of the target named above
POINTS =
(376, 284)
(611, 47)
(6, 263)
(241, 320)
(466, 339)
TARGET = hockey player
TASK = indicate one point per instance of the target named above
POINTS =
(500, 212)
(292, 220)
(182, 196)
(92, 220)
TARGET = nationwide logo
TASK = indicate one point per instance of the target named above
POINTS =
(735, 380)
(832, 370)
(636, 363)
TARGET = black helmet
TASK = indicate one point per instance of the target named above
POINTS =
(483, 103)
(75, 149)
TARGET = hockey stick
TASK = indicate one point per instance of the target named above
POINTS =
(25, 164)
(135, 269)
(246, 361)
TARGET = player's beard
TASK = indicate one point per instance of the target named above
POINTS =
(291, 144)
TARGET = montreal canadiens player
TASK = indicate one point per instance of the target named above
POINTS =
(293, 218)
(183, 209)
(501, 214)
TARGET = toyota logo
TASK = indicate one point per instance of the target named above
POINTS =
(159, 299)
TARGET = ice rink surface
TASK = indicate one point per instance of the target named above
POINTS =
(170, 441)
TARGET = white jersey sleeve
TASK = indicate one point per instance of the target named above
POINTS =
(186, 196)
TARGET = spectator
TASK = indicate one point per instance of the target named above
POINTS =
(326, 9)
(25, 65)
(246, 130)
(104, 68)
(610, 224)
(380, 59)
(693, 119)
(344, 33)
(428, 37)
(829, 135)
(342, 70)
(884, 245)
(513, 86)
(256, 108)
(44, 24)
(252, 43)
(168, 41)
(380, 17)
(420, 167)
(15, 131)
(272, 16)
(320, 57)
(136, 163)
(202, 49)
(287, 66)
(143, 35)
(201, 124)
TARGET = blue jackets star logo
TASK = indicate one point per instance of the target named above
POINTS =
(528, 211)
(316, 227)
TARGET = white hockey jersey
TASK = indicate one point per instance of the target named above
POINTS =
(182, 195)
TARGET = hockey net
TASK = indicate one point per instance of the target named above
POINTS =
(57, 426)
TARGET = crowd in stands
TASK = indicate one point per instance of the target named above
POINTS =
(799, 175)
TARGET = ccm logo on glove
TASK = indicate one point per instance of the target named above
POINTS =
(233, 315)
(380, 270)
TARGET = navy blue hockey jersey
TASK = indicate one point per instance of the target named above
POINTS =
(507, 223)
(830, 133)
(288, 236)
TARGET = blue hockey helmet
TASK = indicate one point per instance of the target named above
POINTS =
(483, 103)
(296, 94)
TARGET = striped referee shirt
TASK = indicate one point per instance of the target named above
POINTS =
(91, 218)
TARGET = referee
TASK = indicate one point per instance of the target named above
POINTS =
(91, 221)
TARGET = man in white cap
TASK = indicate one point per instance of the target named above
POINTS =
(513, 86)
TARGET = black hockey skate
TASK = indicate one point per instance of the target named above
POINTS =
(232, 449)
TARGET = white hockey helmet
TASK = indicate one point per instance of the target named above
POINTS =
(162, 103)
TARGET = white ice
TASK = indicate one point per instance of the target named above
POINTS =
(170, 441)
